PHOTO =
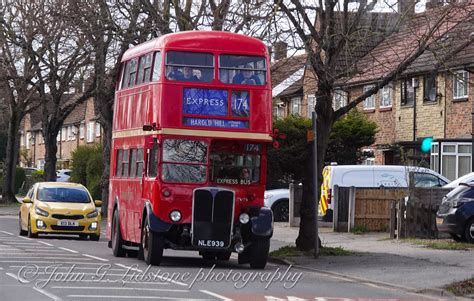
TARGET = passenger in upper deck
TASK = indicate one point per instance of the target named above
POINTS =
(246, 77)
(174, 73)
(188, 75)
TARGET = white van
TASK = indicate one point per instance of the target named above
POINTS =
(369, 176)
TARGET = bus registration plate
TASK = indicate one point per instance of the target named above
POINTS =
(210, 243)
(67, 223)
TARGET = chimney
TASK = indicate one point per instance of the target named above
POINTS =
(406, 7)
(430, 4)
(280, 50)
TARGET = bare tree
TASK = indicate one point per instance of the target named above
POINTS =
(16, 81)
(332, 33)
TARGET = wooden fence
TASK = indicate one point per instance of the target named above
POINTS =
(402, 212)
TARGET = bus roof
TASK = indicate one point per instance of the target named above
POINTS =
(203, 40)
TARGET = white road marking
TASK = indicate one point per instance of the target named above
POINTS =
(159, 277)
(54, 297)
(17, 278)
(132, 297)
(45, 243)
(66, 267)
(7, 232)
(26, 238)
(215, 295)
(94, 257)
(1, 268)
(68, 250)
(50, 262)
(50, 257)
(121, 288)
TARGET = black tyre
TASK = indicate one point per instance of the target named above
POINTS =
(83, 236)
(224, 256)
(94, 237)
(281, 211)
(208, 256)
(259, 252)
(469, 231)
(21, 231)
(30, 233)
(152, 245)
(117, 242)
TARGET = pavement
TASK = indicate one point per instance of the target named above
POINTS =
(382, 261)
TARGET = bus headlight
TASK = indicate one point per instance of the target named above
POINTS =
(244, 218)
(175, 216)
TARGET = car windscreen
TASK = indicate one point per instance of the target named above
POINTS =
(456, 192)
(63, 194)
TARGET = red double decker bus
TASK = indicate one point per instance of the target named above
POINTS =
(192, 123)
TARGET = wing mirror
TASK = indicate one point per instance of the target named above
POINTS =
(26, 200)
(98, 203)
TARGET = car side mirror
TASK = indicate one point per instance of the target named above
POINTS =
(98, 203)
(26, 200)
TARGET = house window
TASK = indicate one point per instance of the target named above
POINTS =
(407, 92)
(460, 81)
(63, 134)
(295, 105)
(429, 88)
(90, 132)
(28, 137)
(455, 159)
(69, 133)
(81, 131)
(369, 102)
(339, 99)
(97, 129)
(311, 103)
(386, 96)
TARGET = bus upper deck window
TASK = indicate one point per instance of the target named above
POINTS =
(189, 66)
(157, 66)
(144, 70)
(242, 70)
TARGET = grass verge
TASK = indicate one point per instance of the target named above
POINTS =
(462, 288)
(440, 244)
(292, 251)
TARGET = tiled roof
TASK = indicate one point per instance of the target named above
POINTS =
(287, 76)
(454, 49)
(402, 44)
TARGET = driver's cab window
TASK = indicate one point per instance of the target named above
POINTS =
(189, 66)
(232, 168)
(426, 180)
(153, 157)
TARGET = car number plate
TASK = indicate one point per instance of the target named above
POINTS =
(210, 243)
(67, 223)
(439, 221)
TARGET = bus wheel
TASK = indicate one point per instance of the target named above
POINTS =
(259, 252)
(152, 245)
(224, 256)
(117, 242)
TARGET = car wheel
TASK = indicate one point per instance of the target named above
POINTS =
(117, 242)
(30, 232)
(281, 211)
(260, 248)
(469, 231)
(21, 231)
(152, 245)
(94, 237)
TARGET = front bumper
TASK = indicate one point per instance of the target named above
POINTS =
(50, 225)
(450, 222)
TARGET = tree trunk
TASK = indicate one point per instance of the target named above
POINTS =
(107, 145)
(8, 192)
(307, 235)
(51, 149)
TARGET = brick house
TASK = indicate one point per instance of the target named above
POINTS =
(79, 128)
(432, 98)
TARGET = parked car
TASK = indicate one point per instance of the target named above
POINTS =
(278, 201)
(367, 176)
(468, 178)
(29, 171)
(63, 175)
(51, 207)
(456, 213)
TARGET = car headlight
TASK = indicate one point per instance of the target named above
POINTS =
(41, 212)
(267, 196)
(459, 202)
(93, 213)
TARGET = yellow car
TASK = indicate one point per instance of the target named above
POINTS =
(63, 208)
